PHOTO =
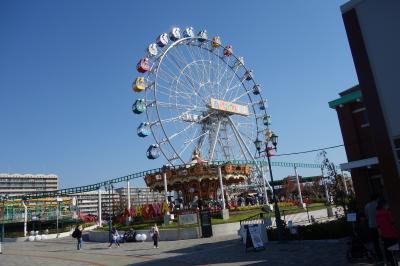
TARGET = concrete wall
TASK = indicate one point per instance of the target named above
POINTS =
(175, 234)
(380, 23)
(49, 236)
(226, 229)
(165, 235)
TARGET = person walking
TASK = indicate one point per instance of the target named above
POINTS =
(370, 213)
(155, 234)
(78, 235)
(386, 228)
(114, 237)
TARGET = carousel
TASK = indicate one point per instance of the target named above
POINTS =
(199, 179)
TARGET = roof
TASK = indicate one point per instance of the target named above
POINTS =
(7, 175)
(353, 96)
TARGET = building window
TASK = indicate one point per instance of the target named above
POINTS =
(376, 184)
(361, 116)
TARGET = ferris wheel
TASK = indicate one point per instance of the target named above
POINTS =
(200, 100)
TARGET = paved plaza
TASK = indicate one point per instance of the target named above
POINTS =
(209, 251)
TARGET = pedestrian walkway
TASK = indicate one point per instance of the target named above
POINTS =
(302, 218)
(207, 251)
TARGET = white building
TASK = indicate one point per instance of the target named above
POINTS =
(117, 201)
(22, 184)
(88, 202)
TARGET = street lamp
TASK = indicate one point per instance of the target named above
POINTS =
(3, 199)
(271, 138)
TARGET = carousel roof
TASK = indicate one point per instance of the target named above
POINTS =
(198, 172)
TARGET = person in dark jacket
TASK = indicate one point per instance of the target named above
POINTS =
(78, 235)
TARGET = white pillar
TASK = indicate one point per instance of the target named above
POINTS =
(344, 182)
(25, 218)
(298, 186)
(165, 186)
(99, 208)
(325, 186)
(222, 187)
(264, 187)
(128, 194)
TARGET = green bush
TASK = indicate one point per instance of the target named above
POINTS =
(317, 231)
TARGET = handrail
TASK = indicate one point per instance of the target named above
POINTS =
(259, 216)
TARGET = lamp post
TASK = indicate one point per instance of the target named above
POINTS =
(271, 138)
(59, 200)
(24, 202)
(3, 199)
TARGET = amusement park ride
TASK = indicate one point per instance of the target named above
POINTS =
(202, 104)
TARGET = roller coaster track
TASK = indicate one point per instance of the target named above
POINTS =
(97, 186)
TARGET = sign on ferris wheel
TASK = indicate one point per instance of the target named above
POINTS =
(229, 107)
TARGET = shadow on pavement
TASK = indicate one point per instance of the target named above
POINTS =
(232, 252)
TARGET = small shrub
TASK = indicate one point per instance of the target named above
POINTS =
(317, 231)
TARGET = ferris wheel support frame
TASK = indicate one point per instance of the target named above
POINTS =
(211, 152)
(265, 182)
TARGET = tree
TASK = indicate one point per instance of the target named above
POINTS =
(334, 182)
(314, 190)
(288, 186)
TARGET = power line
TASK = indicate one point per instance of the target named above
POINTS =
(301, 152)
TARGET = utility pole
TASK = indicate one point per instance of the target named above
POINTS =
(99, 210)
(298, 186)
(128, 194)
(344, 182)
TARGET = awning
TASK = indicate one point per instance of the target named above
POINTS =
(360, 163)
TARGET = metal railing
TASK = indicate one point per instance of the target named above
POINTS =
(142, 174)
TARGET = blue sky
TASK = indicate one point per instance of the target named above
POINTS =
(67, 66)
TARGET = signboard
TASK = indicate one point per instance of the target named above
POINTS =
(229, 107)
(206, 227)
(190, 218)
(351, 217)
(255, 234)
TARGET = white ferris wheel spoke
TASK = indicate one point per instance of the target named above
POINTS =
(187, 144)
(180, 106)
(190, 80)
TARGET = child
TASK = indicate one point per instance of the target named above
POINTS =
(155, 234)
(114, 237)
